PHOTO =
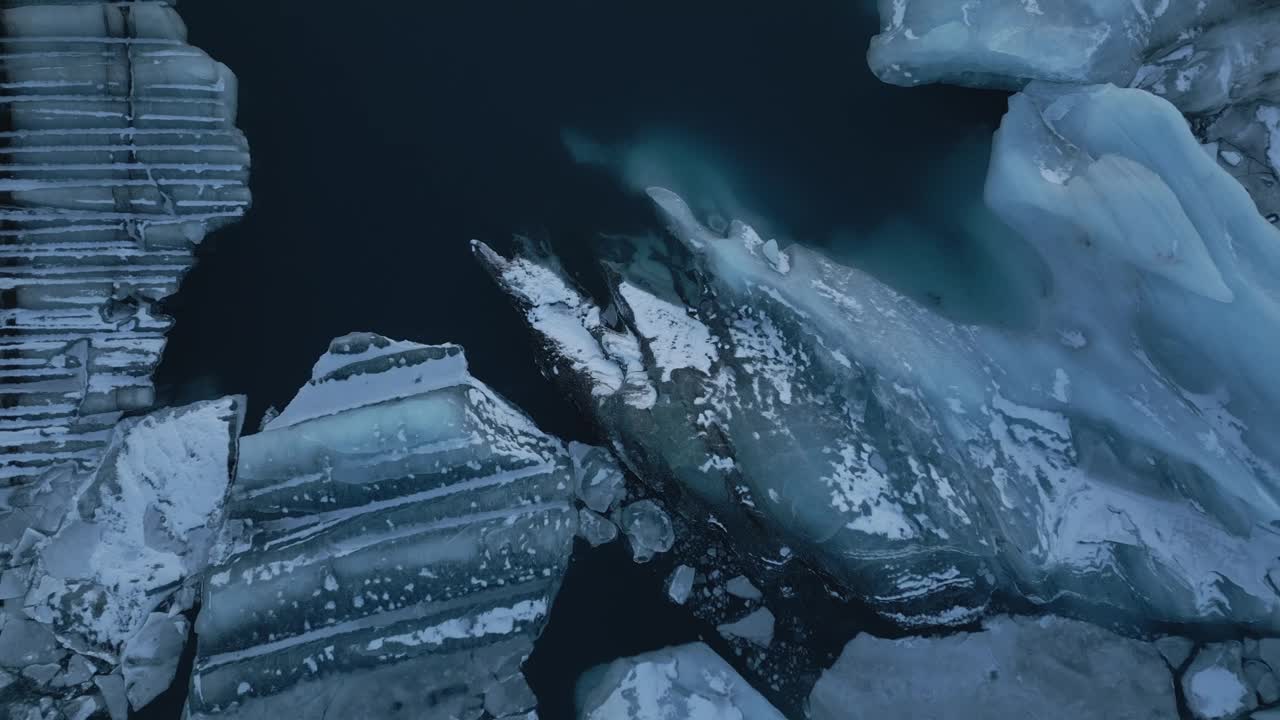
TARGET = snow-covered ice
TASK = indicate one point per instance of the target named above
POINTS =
(1115, 458)
(690, 682)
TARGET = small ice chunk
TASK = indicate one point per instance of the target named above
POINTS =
(1263, 681)
(113, 694)
(151, 657)
(25, 642)
(80, 708)
(680, 584)
(79, 670)
(687, 682)
(41, 674)
(742, 587)
(595, 528)
(648, 528)
(1175, 650)
(1214, 684)
(1015, 667)
(598, 480)
(756, 627)
(509, 696)
(13, 583)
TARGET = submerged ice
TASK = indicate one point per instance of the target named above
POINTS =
(1117, 458)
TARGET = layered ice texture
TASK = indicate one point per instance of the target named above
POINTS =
(690, 682)
(1115, 459)
(396, 536)
(120, 153)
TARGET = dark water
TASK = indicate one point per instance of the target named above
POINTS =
(386, 135)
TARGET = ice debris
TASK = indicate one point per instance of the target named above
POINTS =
(647, 528)
(689, 681)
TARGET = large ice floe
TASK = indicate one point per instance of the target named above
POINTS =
(395, 538)
(1116, 460)
(120, 154)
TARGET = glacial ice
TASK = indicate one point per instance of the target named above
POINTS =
(648, 529)
(120, 155)
(1216, 60)
(690, 682)
(1045, 668)
(1116, 460)
(396, 536)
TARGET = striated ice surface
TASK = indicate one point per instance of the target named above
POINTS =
(690, 682)
(398, 533)
(120, 155)
(1047, 668)
(1118, 457)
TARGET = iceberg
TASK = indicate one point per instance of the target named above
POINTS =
(394, 539)
(1115, 460)
(1048, 668)
(690, 681)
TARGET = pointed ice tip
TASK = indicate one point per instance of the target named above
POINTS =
(488, 257)
(679, 217)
